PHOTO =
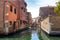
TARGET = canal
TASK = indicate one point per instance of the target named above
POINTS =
(25, 35)
(44, 36)
(30, 35)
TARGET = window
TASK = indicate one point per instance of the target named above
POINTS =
(22, 7)
(14, 24)
(15, 10)
(10, 22)
(20, 21)
(24, 10)
(24, 22)
(11, 8)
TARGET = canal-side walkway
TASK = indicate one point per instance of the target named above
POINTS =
(34, 35)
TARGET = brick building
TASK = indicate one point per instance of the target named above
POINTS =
(12, 15)
(46, 11)
(23, 11)
(29, 18)
(50, 21)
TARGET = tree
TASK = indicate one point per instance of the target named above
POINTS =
(57, 8)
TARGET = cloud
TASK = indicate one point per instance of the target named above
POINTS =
(34, 5)
(34, 11)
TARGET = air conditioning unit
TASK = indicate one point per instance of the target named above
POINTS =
(6, 21)
(7, 5)
(6, 14)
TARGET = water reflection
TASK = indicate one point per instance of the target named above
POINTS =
(34, 35)
(44, 36)
(17, 36)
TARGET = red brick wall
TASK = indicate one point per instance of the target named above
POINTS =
(29, 18)
(20, 13)
(1, 13)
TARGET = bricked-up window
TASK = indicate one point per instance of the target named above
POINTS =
(11, 8)
(15, 10)
(10, 22)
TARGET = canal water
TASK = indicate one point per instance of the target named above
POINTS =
(30, 35)
(44, 36)
(25, 35)
(34, 35)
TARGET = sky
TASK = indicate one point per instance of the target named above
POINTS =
(34, 5)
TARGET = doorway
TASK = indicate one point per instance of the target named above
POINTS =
(14, 25)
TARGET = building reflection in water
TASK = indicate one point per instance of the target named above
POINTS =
(44, 36)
